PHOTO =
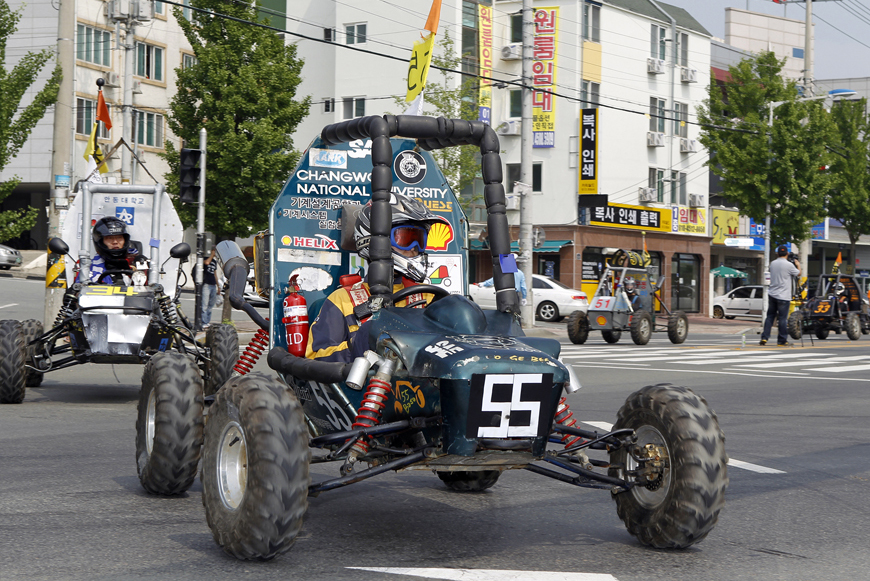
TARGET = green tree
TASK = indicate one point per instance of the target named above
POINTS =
(17, 121)
(781, 170)
(242, 90)
(849, 199)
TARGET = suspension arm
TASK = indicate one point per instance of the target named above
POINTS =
(319, 487)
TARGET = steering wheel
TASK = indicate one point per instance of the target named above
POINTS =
(431, 289)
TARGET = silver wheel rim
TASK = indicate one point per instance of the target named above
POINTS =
(232, 465)
(644, 496)
(150, 422)
(645, 331)
(547, 312)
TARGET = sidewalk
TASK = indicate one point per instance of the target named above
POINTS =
(32, 266)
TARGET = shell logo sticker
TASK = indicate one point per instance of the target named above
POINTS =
(440, 235)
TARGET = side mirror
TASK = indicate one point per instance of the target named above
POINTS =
(180, 251)
(58, 246)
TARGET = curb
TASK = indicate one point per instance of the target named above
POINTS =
(19, 274)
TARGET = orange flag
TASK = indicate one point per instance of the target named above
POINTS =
(434, 17)
(103, 111)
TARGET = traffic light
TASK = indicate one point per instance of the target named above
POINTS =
(188, 174)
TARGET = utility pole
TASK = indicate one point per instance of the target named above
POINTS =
(200, 233)
(61, 169)
(526, 252)
(127, 105)
(807, 245)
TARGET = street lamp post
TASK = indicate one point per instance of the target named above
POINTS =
(834, 94)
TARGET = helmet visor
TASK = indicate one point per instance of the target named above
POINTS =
(408, 237)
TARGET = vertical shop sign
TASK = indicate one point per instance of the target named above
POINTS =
(544, 77)
(588, 151)
(484, 97)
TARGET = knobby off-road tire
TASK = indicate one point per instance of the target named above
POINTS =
(641, 327)
(12, 357)
(853, 326)
(169, 424)
(255, 467)
(612, 336)
(469, 481)
(224, 344)
(796, 325)
(32, 330)
(685, 508)
(718, 312)
(578, 327)
(678, 327)
(822, 332)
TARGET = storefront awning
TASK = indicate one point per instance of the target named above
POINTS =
(548, 246)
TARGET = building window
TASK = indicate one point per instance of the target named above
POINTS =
(515, 106)
(681, 117)
(149, 129)
(86, 114)
(187, 61)
(94, 45)
(657, 182)
(513, 175)
(516, 27)
(591, 22)
(678, 189)
(657, 42)
(149, 61)
(354, 107)
(657, 114)
(589, 94)
(682, 49)
(159, 8)
(329, 34)
(355, 33)
(185, 12)
(328, 105)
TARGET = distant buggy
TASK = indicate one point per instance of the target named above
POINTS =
(836, 306)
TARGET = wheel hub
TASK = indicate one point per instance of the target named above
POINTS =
(150, 422)
(649, 462)
(232, 466)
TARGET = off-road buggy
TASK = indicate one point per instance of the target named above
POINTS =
(836, 305)
(133, 321)
(613, 310)
(448, 388)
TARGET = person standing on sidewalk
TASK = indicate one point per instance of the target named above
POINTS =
(210, 289)
(779, 295)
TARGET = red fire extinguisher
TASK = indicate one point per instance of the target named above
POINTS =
(295, 319)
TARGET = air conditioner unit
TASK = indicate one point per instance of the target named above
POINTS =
(512, 202)
(655, 66)
(655, 139)
(689, 75)
(137, 87)
(697, 200)
(509, 128)
(117, 9)
(112, 79)
(647, 194)
(143, 10)
(688, 145)
(512, 52)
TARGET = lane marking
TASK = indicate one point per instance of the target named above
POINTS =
(9, 305)
(831, 361)
(842, 369)
(600, 425)
(488, 574)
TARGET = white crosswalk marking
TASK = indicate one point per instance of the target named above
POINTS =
(488, 574)
(831, 361)
(841, 369)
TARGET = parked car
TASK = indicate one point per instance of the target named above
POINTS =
(553, 300)
(744, 301)
(9, 257)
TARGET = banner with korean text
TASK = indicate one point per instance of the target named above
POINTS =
(484, 97)
(588, 151)
(632, 217)
(544, 77)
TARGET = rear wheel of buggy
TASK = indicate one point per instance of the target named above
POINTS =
(169, 424)
(796, 325)
(578, 327)
(678, 327)
(12, 358)
(611, 336)
(469, 481)
(224, 344)
(32, 330)
(255, 467)
(681, 506)
(641, 327)
(822, 332)
(853, 326)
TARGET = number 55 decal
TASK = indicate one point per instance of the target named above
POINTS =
(509, 406)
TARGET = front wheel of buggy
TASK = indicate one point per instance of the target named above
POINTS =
(169, 424)
(12, 358)
(611, 336)
(853, 326)
(641, 327)
(223, 341)
(678, 327)
(681, 505)
(255, 467)
(822, 332)
(578, 327)
(796, 325)
(32, 329)
(469, 481)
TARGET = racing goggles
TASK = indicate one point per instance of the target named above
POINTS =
(408, 237)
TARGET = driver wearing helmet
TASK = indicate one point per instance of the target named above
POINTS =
(630, 286)
(332, 334)
(114, 251)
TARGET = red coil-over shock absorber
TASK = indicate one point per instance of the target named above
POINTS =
(373, 403)
(252, 353)
(565, 416)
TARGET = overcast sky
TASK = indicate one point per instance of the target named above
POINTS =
(836, 55)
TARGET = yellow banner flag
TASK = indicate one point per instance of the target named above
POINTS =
(418, 67)
(94, 156)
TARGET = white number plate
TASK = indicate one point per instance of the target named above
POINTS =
(509, 405)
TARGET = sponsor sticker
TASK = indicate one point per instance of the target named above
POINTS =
(327, 158)
(410, 167)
